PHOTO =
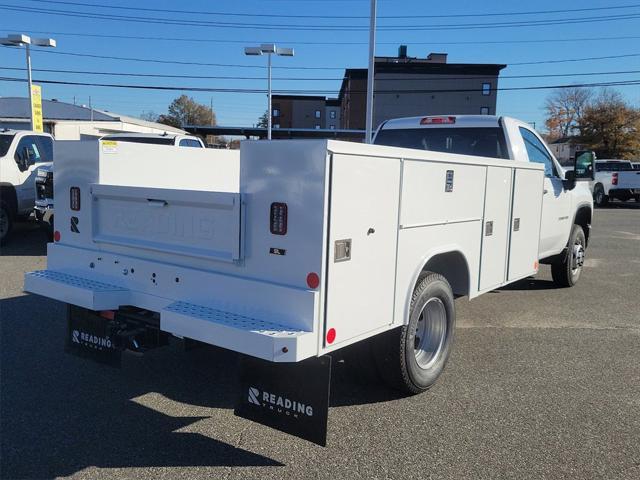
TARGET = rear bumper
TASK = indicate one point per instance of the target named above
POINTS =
(257, 332)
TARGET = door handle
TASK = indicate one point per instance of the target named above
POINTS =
(156, 203)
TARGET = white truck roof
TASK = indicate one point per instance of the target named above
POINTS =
(435, 121)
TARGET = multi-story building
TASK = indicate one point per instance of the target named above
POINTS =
(407, 86)
(298, 111)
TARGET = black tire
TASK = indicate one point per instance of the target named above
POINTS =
(412, 357)
(599, 197)
(6, 222)
(637, 197)
(566, 272)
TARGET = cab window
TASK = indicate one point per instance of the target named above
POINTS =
(537, 152)
(27, 152)
(189, 142)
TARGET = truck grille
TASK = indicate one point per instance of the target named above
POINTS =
(44, 186)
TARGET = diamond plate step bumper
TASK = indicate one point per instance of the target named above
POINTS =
(76, 290)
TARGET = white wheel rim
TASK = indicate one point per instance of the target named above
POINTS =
(430, 333)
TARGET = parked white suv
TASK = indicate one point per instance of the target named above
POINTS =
(21, 152)
(615, 179)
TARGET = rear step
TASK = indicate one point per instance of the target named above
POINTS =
(252, 336)
(245, 334)
(76, 290)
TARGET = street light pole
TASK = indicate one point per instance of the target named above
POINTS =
(28, 51)
(269, 49)
(19, 40)
(370, 73)
(269, 119)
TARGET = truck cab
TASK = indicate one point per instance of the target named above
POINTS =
(565, 202)
(21, 153)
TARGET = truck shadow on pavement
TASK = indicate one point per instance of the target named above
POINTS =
(61, 414)
(27, 239)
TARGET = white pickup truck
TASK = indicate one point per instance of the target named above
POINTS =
(21, 152)
(293, 250)
(615, 179)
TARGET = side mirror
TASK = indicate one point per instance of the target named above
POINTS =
(584, 166)
(569, 181)
(22, 159)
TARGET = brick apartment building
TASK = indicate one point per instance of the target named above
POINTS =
(403, 87)
(406, 86)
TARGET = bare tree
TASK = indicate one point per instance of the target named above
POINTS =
(564, 110)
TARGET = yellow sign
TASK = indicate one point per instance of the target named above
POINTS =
(36, 108)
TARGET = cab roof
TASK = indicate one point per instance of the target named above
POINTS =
(448, 121)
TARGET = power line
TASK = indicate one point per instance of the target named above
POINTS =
(301, 27)
(267, 15)
(180, 62)
(319, 92)
(297, 79)
(245, 42)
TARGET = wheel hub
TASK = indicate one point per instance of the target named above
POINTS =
(430, 332)
(577, 257)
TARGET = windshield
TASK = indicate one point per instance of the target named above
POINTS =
(484, 142)
(5, 143)
(153, 140)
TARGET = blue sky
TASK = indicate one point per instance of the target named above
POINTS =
(327, 52)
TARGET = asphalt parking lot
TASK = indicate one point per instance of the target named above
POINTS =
(542, 383)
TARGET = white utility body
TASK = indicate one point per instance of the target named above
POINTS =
(211, 231)
(293, 249)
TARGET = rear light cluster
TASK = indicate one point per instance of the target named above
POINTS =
(614, 178)
(437, 120)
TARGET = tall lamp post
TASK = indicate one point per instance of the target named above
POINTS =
(269, 49)
(19, 40)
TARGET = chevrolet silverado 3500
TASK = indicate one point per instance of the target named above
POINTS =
(297, 249)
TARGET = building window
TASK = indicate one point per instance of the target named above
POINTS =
(484, 110)
(332, 127)
(317, 113)
(276, 125)
(332, 114)
(276, 112)
(486, 89)
(317, 127)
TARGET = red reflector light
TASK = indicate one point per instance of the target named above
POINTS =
(74, 198)
(331, 335)
(437, 120)
(108, 314)
(313, 280)
(614, 178)
(56, 236)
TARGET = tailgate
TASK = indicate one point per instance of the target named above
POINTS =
(182, 222)
(630, 180)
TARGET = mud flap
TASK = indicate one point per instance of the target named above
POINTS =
(290, 397)
(90, 336)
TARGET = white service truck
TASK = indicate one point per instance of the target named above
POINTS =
(615, 179)
(297, 249)
(21, 152)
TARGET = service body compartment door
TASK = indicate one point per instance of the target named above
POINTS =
(495, 230)
(526, 215)
(179, 222)
(363, 226)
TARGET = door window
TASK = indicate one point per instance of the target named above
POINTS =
(537, 152)
(27, 152)
(46, 148)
